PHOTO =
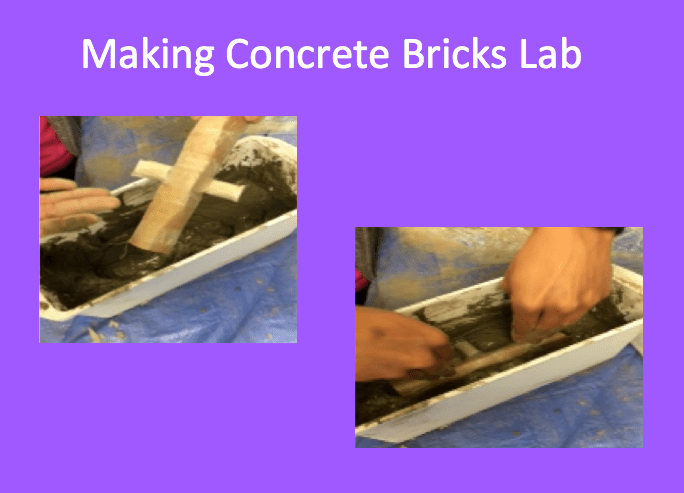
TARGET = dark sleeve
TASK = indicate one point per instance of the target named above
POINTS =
(367, 240)
(617, 230)
(68, 129)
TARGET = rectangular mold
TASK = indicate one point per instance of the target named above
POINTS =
(145, 289)
(465, 401)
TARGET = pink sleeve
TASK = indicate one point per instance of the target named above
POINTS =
(53, 155)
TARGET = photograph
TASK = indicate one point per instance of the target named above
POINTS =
(168, 229)
(163, 230)
(499, 337)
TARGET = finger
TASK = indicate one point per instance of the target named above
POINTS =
(549, 323)
(538, 336)
(73, 194)
(434, 369)
(434, 340)
(419, 375)
(78, 206)
(412, 357)
(195, 117)
(65, 224)
(418, 345)
(439, 358)
(444, 352)
(550, 320)
(50, 184)
(414, 328)
(524, 321)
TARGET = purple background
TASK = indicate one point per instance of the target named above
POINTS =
(400, 147)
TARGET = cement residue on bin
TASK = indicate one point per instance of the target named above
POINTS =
(94, 336)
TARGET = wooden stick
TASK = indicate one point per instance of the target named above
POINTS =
(159, 172)
(177, 198)
(410, 387)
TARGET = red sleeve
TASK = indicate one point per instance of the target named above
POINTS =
(53, 155)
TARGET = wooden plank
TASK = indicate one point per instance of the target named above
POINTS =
(409, 387)
(177, 198)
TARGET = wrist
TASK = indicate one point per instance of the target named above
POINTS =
(601, 238)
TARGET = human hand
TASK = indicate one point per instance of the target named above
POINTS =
(557, 276)
(68, 208)
(248, 119)
(392, 346)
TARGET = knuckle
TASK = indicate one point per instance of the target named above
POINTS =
(528, 305)
(566, 306)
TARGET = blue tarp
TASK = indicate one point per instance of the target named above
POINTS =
(251, 300)
(599, 407)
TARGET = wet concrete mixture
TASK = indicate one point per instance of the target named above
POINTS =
(487, 326)
(75, 272)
